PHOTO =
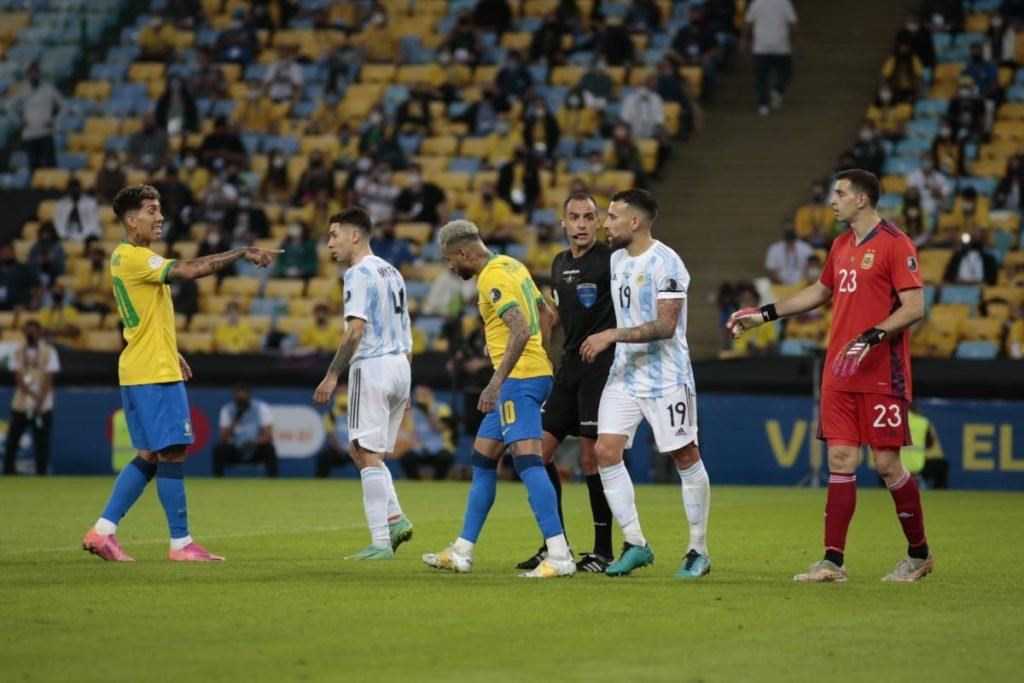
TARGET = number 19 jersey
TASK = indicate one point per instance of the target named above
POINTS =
(505, 283)
(375, 292)
(658, 368)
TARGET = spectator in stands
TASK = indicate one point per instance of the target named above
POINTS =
(1009, 194)
(246, 434)
(176, 109)
(919, 37)
(432, 442)
(574, 118)
(868, 151)
(110, 178)
(299, 260)
(377, 194)
(20, 286)
(816, 216)
(765, 338)
(889, 116)
(493, 215)
(770, 30)
(592, 182)
(149, 148)
(215, 200)
(644, 110)
(321, 209)
(223, 146)
(192, 173)
(335, 451)
(317, 176)
(34, 364)
(235, 335)
(609, 40)
(38, 104)
(246, 220)
(696, 45)
(378, 37)
(47, 257)
(541, 255)
(320, 336)
(969, 211)
(387, 246)
(945, 15)
(626, 155)
(598, 87)
(208, 81)
(176, 203)
(967, 112)
(672, 87)
(502, 141)
(77, 215)
(932, 183)
(184, 293)
(184, 13)
(972, 264)
(94, 292)
(449, 293)
(947, 150)
(546, 45)
(1000, 41)
(540, 130)
(482, 116)
(421, 201)
(644, 16)
(253, 112)
(985, 75)
(493, 16)
(904, 73)
(787, 258)
(464, 41)
(519, 182)
(157, 39)
(283, 79)
(913, 219)
(59, 320)
(471, 369)
(216, 242)
(413, 115)
(513, 78)
(812, 271)
(276, 186)
(238, 44)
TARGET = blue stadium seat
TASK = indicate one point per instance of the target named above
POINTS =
(416, 290)
(797, 347)
(577, 165)
(900, 165)
(430, 325)
(977, 350)
(517, 251)
(933, 109)
(267, 306)
(117, 143)
(287, 144)
(253, 142)
(890, 202)
(70, 123)
(255, 72)
(544, 216)
(72, 161)
(986, 187)
(1015, 93)
(457, 109)
(960, 294)
(18, 180)
(910, 146)
(396, 93)
(527, 25)
(410, 142)
(616, 10)
(465, 165)
(539, 73)
(1002, 242)
(431, 251)
(223, 108)
(303, 110)
(592, 145)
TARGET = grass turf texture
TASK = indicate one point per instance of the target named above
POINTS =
(286, 607)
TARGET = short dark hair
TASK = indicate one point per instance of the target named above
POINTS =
(863, 182)
(578, 197)
(639, 199)
(355, 216)
(131, 198)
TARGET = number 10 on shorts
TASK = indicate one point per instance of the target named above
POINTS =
(507, 413)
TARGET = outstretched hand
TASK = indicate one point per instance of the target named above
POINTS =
(261, 257)
(743, 320)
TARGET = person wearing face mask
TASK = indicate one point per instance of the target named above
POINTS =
(494, 213)
(377, 194)
(319, 175)
(574, 118)
(816, 216)
(696, 45)
(253, 112)
(59, 320)
(1000, 41)
(276, 185)
(321, 335)
(239, 43)
(626, 156)
(947, 150)
(246, 434)
(176, 109)
(972, 264)
(502, 141)
(149, 148)
(513, 78)
(903, 72)
(969, 211)
(47, 257)
(414, 113)
(378, 40)
(177, 204)
(157, 39)
(223, 146)
(215, 242)
(931, 183)
(299, 260)
(915, 221)
(246, 220)
(19, 284)
(984, 74)
(644, 109)
(967, 112)
(34, 363)
(786, 259)
(918, 36)
(421, 202)
(546, 46)
(234, 334)
(1009, 194)
(519, 182)
(283, 79)
(110, 178)
(77, 215)
(889, 116)
(493, 16)
(38, 104)
(868, 152)
(464, 41)
(540, 129)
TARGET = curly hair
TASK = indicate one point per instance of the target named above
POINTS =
(131, 198)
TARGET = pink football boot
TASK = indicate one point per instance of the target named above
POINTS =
(105, 547)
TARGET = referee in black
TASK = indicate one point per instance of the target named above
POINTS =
(581, 284)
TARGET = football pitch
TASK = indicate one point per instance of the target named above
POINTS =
(286, 607)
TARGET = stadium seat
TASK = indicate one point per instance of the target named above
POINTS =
(419, 233)
(240, 286)
(977, 350)
(195, 342)
(961, 294)
(103, 340)
(981, 329)
(278, 288)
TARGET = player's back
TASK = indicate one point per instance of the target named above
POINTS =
(375, 292)
(144, 302)
(505, 283)
(650, 369)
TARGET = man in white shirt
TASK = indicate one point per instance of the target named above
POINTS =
(77, 216)
(931, 183)
(786, 259)
(39, 104)
(644, 110)
(771, 24)
(283, 79)
(34, 364)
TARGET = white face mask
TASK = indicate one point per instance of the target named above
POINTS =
(295, 232)
(279, 162)
(191, 163)
(414, 179)
(866, 135)
(110, 164)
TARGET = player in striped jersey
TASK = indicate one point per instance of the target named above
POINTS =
(376, 348)
(650, 379)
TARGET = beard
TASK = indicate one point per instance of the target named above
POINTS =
(620, 242)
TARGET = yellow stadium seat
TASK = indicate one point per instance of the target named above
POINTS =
(187, 249)
(673, 110)
(180, 322)
(259, 323)
(649, 152)
(474, 147)
(989, 168)
(483, 75)
(976, 22)
(330, 145)
(407, 74)
(1015, 338)
(950, 312)
(1012, 295)
(7, 319)
(87, 177)
(895, 184)
(195, 342)
(141, 72)
(30, 230)
(516, 40)
(50, 179)
(567, 76)
(240, 286)
(439, 146)
(90, 321)
(105, 126)
(382, 74)
(981, 329)
(933, 264)
(215, 304)
(103, 340)
(45, 210)
(997, 310)
(98, 91)
(278, 288)
(1012, 111)
(292, 324)
(302, 307)
(695, 76)
(453, 180)
(205, 322)
(414, 232)
(323, 289)
(617, 74)
(86, 142)
(948, 72)
(1007, 130)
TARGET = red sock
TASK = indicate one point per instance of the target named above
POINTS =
(908, 508)
(842, 501)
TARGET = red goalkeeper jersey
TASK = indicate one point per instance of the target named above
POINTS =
(865, 280)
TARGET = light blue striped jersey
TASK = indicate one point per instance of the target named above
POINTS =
(375, 292)
(649, 369)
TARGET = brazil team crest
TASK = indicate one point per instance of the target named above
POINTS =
(586, 292)
(868, 260)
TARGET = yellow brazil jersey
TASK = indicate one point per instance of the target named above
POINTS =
(139, 278)
(503, 283)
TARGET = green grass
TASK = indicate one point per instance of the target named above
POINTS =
(286, 607)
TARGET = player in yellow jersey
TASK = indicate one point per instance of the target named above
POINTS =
(514, 313)
(152, 373)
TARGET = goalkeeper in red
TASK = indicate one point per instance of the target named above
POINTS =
(873, 280)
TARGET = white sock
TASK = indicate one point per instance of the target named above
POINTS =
(105, 527)
(180, 543)
(697, 503)
(618, 489)
(375, 504)
(394, 508)
(558, 547)
(463, 547)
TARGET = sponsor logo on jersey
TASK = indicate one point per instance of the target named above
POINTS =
(495, 295)
(912, 264)
(868, 260)
(586, 292)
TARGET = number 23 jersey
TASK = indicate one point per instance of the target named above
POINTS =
(658, 368)
(866, 280)
(505, 283)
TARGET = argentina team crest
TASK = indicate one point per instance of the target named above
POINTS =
(586, 292)
(868, 260)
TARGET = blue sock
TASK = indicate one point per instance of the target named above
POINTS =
(170, 485)
(128, 486)
(540, 493)
(481, 496)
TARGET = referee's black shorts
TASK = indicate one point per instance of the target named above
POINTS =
(571, 408)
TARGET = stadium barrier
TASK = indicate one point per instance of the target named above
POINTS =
(745, 439)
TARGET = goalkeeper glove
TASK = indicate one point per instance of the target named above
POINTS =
(848, 360)
(749, 318)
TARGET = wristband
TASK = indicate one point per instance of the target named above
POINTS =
(873, 336)
(768, 313)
